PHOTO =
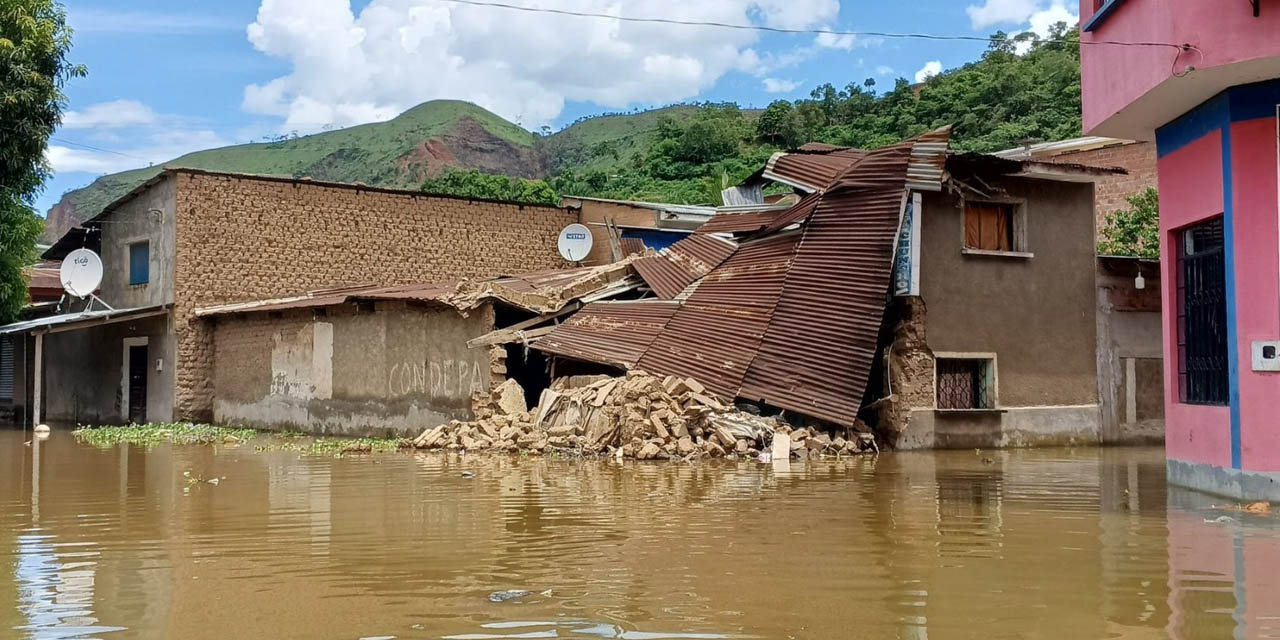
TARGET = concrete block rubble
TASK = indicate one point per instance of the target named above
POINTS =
(636, 416)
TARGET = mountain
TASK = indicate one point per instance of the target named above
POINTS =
(401, 153)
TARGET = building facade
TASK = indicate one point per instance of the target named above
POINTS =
(190, 238)
(1208, 93)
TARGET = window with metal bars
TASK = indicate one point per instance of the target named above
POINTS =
(1203, 374)
(6, 369)
(965, 383)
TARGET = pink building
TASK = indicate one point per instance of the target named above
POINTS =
(1205, 87)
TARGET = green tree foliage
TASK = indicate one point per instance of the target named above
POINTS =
(1023, 88)
(474, 184)
(34, 41)
(1134, 230)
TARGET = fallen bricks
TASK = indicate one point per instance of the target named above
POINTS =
(636, 416)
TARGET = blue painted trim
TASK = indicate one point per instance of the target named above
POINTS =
(1229, 258)
(1101, 15)
(1235, 104)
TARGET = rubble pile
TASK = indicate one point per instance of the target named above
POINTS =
(636, 416)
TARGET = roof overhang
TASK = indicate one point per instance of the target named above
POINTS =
(83, 320)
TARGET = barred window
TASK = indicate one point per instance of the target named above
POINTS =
(6, 368)
(1201, 298)
(966, 383)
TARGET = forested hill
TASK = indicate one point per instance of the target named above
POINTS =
(1019, 90)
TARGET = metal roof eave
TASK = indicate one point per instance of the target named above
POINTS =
(83, 320)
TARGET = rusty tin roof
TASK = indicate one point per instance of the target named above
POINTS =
(612, 333)
(679, 265)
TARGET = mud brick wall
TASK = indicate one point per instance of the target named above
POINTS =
(242, 238)
(1139, 159)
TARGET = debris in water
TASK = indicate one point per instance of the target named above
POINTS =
(1259, 508)
(468, 474)
(634, 416)
(510, 594)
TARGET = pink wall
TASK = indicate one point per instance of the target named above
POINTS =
(1190, 190)
(1257, 268)
(1224, 30)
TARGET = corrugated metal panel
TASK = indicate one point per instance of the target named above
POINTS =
(926, 169)
(811, 171)
(669, 272)
(817, 354)
(798, 213)
(632, 246)
(714, 336)
(745, 222)
(613, 333)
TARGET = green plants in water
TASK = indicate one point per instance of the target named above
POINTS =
(156, 433)
(337, 447)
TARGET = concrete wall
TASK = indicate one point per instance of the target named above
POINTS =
(1111, 192)
(148, 217)
(394, 370)
(1035, 313)
(1130, 355)
(243, 238)
(1221, 160)
(84, 376)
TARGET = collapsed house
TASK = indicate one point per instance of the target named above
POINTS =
(945, 299)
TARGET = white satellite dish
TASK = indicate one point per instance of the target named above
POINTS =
(575, 242)
(81, 273)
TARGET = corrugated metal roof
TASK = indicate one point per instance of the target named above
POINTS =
(632, 246)
(811, 171)
(612, 333)
(677, 266)
(46, 275)
(816, 357)
(793, 318)
(69, 321)
(714, 335)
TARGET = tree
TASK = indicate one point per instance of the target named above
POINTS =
(484, 186)
(34, 41)
(1135, 230)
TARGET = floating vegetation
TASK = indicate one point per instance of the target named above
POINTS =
(154, 433)
(338, 447)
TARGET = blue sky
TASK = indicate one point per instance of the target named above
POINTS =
(165, 80)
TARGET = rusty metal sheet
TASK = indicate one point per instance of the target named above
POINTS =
(677, 266)
(796, 214)
(715, 334)
(811, 171)
(612, 333)
(632, 246)
(817, 354)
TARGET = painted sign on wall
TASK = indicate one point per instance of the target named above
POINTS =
(906, 264)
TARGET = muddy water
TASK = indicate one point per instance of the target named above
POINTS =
(1035, 544)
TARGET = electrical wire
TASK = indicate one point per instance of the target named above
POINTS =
(756, 27)
(98, 149)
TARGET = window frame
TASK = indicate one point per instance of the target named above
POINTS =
(130, 246)
(1185, 320)
(991, 373)
(1017, 220)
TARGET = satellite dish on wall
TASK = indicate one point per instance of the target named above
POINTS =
(81, 273)
(575, 242)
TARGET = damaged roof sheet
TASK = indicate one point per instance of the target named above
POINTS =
(612, 333)
(679, 265)
(538, 292)
(714, 336)
(811, 171)
(792, 318)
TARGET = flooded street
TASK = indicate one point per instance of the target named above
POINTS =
(1086, 543)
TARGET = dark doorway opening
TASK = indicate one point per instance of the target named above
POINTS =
(137, 384)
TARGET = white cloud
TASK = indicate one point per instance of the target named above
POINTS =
(348, 67)
(930, 68)
(884, 70)
(994, 12)
(775, 85)
(832, 41)
(1021, 13)
(124, 134)
(109, 115)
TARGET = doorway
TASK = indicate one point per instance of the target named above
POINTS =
(135, 380)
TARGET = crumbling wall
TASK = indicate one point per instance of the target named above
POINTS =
(910, 365)
(242, 238)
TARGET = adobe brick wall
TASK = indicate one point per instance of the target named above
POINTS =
(1139, 159)
(241, 238)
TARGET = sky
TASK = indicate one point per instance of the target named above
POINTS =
(164, 80)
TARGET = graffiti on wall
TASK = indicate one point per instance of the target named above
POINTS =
(445, 378)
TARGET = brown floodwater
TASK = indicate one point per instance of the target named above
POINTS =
(1084, 543)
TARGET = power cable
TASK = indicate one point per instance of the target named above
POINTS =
(98, 149)
(834, 32)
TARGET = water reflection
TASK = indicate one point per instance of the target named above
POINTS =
(1062, 544)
